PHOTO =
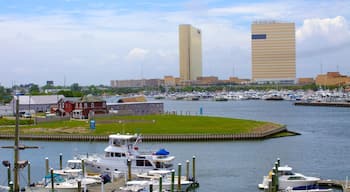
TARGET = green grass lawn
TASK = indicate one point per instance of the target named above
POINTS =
(151, 124)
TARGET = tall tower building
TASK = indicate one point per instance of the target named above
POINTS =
(190, 51)
(273, 52)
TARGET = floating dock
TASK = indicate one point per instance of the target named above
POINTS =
(324, 104)
(335, 183)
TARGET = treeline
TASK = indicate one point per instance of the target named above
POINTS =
(76, 90)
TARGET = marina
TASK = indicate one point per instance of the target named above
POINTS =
(319, 151)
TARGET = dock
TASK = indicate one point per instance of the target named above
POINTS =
(335, 183)
(324, 104)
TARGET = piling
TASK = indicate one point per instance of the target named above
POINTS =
(9, 175)
(129, 169)
(194, 168)
(83, 167)
(179, 178)
(276, 175)
(172, 187)
(52, 181)
(187, 169)
(273, 188)
(151, 187)
(61, 159)
(28, 174)
(11, 186)
(46, 165)
(160, 183)
(79, 185)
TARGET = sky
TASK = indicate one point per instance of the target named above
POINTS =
(92, 42)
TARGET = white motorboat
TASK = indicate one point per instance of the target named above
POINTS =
(122, 148)
(64, 182)
(153, 177)
(287, 179)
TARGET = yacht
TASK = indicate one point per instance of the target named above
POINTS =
(287, 179)
(122, 148)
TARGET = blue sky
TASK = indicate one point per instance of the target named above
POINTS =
(93, 42)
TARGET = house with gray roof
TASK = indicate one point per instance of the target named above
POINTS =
(35, 103)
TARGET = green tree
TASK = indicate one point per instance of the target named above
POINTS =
(34, 89)
(75, 87)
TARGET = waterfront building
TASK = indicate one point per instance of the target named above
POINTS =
(273, 52)
(35, 103)
(190, 52)
(306, 80)
(332, 79)
(138, 83)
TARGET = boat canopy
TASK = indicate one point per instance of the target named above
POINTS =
(162, 152)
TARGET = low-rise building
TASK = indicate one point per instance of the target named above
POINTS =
(35, 103)
(82, 108)
(332, 79)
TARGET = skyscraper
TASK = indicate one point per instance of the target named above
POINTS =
(273, 52)
(190, 52)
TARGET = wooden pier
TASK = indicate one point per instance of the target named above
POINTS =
(335, 183)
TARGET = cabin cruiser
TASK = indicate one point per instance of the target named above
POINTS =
(288, 180)
(122, 148)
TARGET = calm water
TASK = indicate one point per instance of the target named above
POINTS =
(322, 150)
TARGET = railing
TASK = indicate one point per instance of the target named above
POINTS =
(175, 137)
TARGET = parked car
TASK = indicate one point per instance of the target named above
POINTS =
(27, 115)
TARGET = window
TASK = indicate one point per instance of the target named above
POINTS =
(147, 163)
(92, 105)
(258, 36)
(140, 163)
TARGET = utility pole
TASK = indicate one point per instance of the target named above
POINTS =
(17, 164)
(16, 147)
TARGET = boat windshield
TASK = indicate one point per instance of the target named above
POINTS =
(296, 178)
(74, 165)
(285, 173)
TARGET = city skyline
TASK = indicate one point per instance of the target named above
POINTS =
(92, 42)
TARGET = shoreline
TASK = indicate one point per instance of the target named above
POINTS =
(161, 137)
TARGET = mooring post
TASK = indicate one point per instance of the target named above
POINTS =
(52, 181)
(172, 180)
(83, 167)
(46, 165)
(61, 159)
(276, 175)
(29, 174)
(129, 169)
(187, 170)
(9, 175)
(151, 187)
(160, 183)
(273, 188)
(194, 168)
(179, 177)
(11, 186)
(79, 185)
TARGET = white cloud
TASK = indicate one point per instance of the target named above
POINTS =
(97, 45)
(322, 45)
(333, 30)
(137, 54)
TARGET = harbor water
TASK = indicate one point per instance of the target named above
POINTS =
(321, 150)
